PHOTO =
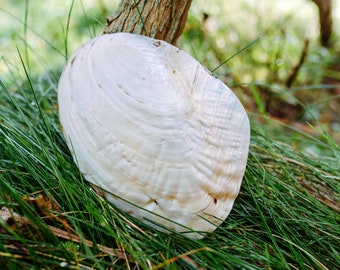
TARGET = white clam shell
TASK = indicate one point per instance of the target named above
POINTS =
(147, 123)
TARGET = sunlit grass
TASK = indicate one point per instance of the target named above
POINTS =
(286, 216)
(45, 31)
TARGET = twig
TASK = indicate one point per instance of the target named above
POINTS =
(6, 214)
(184, 257)
(291, 78)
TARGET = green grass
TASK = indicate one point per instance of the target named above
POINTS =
(286, 216)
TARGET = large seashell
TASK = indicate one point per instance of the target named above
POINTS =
(148, 124)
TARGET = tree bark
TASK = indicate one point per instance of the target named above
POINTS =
(160, 19)
(325, 18)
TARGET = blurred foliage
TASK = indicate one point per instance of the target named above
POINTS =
(284, 73)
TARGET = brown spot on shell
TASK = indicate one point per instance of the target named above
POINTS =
(72, 61)
(152, 200)
(170, 197)
(156, 43)
(218, 173)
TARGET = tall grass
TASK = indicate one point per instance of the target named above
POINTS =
(286, 216)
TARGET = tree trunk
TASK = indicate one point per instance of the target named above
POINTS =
(160, 19)
(326, 22)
